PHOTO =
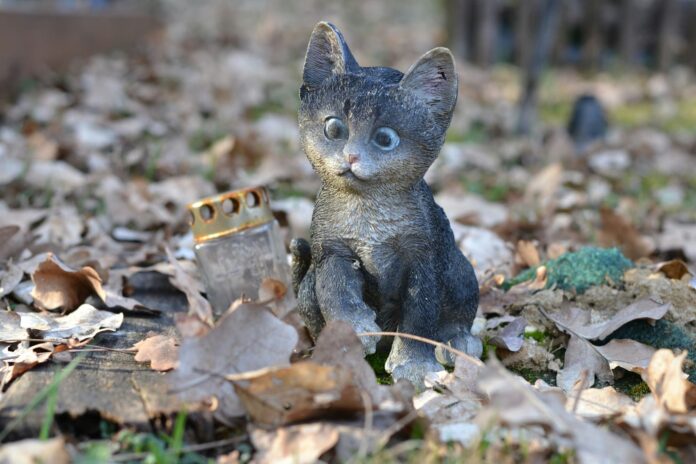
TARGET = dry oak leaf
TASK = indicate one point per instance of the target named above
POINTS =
(296, 444)
(675, 269)
(32, 451)
(59, 287)
(161, 351)
(511, 337)
(302, 391)
(246, 338)
(627, 354)
(80, 325)
(577, 321)
(582, 364)
(517, 404)
(668, 382)
(599, 403)
(182, 280)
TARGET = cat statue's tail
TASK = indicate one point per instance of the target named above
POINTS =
(301, 260)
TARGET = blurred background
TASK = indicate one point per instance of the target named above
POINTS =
(576, 120)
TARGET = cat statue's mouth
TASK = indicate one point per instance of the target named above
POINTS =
(349, 174)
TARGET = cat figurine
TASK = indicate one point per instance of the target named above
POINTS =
(381, 254)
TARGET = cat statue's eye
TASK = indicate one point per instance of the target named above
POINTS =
(335, 129)
(386, 138)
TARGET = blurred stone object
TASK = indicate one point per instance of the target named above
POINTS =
(588, 122)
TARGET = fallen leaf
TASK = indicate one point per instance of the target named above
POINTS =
(33, 451)
(271, 290)
(582, 364)
(667, 382)
(10, 279)
(23, 359)
(576, 320)
(517, 404)
(527, 253)
(512, 336)
(296, 444)
(618, 231)
(674, 269)
(59, 287)
(627, 354)
(302, 391)
(598, 403)
(182, 280)
(339, 346)
(542, 187)
(10, 327)
(161, 351)
(82, 324)
(247, 338)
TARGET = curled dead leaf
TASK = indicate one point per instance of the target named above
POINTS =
(59, 287)
(246, 338)
(162, 352)
(668, 382)
(301, 391)
(675, 269)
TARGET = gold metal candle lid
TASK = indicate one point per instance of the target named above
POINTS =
(229, 212)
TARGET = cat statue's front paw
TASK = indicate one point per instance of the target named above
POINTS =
(365, 325)
(414, 371)
(469, 344)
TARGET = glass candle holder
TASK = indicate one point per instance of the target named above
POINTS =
(238, 247)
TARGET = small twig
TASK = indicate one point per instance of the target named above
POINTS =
(395, 427)
(367, 428)
(581, 385)
(424, 340)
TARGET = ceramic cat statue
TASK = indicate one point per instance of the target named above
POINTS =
(381, 254)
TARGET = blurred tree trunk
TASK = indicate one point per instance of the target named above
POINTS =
(667, 34)
(593, 33)
(629, 13)
(524, 38)
(457, 13)
(544, 39)
(486, 31)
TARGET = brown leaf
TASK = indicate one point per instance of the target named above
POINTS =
(10, 279)
(527, 253)
(582, 364)
(247, 338)
(59, 287)
(674, 269)
(517, 404)
(271, 290)
(302, 391)
(182, 280)
(627, 354)
(296, 444)
(10, 326)
(161, 351)
(31, 451)
(339, 346)
(512, 336)
(25, 358)
(82, 324)
(599, 403)
(667, 381)
(618, 231)
(577, 320)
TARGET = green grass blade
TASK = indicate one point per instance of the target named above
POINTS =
(51, 402)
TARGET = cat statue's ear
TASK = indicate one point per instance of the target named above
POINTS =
(433, 79)
(327, 54)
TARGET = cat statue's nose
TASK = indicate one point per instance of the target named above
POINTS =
(353, 158)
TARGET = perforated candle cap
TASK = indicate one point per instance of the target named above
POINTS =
(229, 212)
